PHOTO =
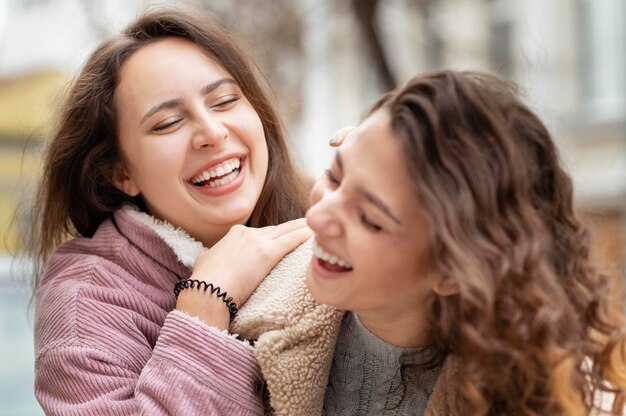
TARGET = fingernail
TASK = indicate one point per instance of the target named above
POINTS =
(333, 140)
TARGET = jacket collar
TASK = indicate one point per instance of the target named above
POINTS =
(445, 399)
(171, 247)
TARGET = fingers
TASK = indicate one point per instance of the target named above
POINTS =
(341, 135)
(286, 237)
(286, 227)
(288, 242)
(294, 238)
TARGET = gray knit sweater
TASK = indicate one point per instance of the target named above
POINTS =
(366, 376)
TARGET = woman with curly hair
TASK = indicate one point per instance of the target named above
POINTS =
(445, 227)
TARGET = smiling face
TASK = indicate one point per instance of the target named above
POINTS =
(193, 145)
(371, 233)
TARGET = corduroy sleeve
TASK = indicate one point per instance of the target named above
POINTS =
(193, 369)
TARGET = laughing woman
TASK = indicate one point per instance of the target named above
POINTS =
(166, 146)
(445, 227)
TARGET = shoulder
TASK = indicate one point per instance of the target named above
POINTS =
(86, 297)
(106, 243)
(105, 257)
(83, 262)
(92, 295)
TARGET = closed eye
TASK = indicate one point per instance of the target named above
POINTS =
(225, 104)
(159, 128)
(369, 224)
(331, 178)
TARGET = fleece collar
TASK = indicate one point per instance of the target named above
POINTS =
(186, 248)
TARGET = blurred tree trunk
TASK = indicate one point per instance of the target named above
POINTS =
(272, 32)
(365, 12)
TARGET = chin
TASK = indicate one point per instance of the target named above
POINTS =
(232, 216)
(310, 284)
(320, 295)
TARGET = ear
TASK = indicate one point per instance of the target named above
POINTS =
(445, 286)
(122, 181)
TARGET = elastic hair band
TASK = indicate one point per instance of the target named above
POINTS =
(215, 290)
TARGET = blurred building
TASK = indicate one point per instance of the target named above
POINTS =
(28, 102)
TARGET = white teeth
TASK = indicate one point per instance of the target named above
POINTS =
(219, 170)
(223, 181)
(329, 258)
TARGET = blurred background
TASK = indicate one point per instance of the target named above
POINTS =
(327, 61)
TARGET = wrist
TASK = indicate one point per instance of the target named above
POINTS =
(206, 301)
(205, 307)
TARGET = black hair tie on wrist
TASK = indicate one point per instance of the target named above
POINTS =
(215, 290)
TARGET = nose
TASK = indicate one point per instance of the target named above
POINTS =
(210, 133)
(324, 216)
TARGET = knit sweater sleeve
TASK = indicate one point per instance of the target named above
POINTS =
(192, 369)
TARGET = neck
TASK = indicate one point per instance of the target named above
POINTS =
(401, 329)
(211, 233)
(212, 236)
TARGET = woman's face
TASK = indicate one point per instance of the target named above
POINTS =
(194, 147)
(370, 229)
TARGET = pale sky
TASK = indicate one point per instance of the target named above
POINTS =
(43, 34)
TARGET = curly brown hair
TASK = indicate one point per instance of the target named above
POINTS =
(537, 329)
(76, 192)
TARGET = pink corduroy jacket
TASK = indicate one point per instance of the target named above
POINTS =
(109, 342)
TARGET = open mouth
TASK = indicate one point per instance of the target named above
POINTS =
(329, 261)
(219, 175)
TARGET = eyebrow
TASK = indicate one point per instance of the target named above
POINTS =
(373, 199)
(207, 89)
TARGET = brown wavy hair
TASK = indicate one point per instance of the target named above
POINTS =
(76, 192)
(537, 329)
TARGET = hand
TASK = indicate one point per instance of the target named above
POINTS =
(340, 135)
(238, 263)
(244, 256)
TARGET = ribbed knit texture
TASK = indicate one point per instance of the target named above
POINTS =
(108, 342)
(372, 377)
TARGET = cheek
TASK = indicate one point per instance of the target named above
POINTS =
(384, 260)
(259, 156)
(256, 133)
(253, 136)
(159, 157)
(155, 165)
(262, 153)
(247, 124)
